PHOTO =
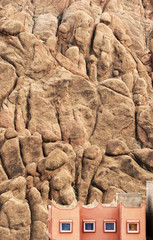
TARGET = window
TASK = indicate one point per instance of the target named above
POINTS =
(133, 226)
(89, 225)
(65, 226)
(109, 225)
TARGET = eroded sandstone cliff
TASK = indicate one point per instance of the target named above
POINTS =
(76, 106)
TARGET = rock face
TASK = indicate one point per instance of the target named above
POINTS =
(15, 213)
(76, 106)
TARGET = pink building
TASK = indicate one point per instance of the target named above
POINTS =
(133, 222)
(105, 222)
(64, 223)
(97, 222)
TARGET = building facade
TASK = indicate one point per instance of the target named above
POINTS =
(120, 222)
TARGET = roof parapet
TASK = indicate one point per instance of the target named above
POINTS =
(129, 199)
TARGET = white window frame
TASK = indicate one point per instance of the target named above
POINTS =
(65, 221)
(109, 221)
(89, 221)
(133, 222)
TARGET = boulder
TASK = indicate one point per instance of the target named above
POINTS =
(17, 186)
(5, 233)
(11, 158)
(105, 18)
(31, 168)
(56, 159)
(3, 175)
(110, 195)
(60, 179)
(144, 125)
(7, 79)
(94, 194)
(39, 215)
(11, 133)
(47, 125)
(116, 147)
(92, 158)
(18, 213)
(31, 148)
(45, 26)
(116, 115)
(67, 195)
(11, 27)
(39, 231)
(144, 157)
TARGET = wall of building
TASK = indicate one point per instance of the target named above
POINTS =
(129, 214)
(57, 214)
(99, 214)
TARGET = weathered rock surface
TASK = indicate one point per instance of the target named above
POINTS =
(7, 79)
(55, 159)
(116, 114)
(11, 158)
(116, 147)
(91, 160)
(76, 106)
(15, 213)
(31, 148)
(39, 215)
(144, 158)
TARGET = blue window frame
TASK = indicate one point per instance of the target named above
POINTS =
(109, 225)
(89, 225)
(66, 226)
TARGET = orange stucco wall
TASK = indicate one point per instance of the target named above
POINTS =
(132, 213)
(99, 214)
(56, 214)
